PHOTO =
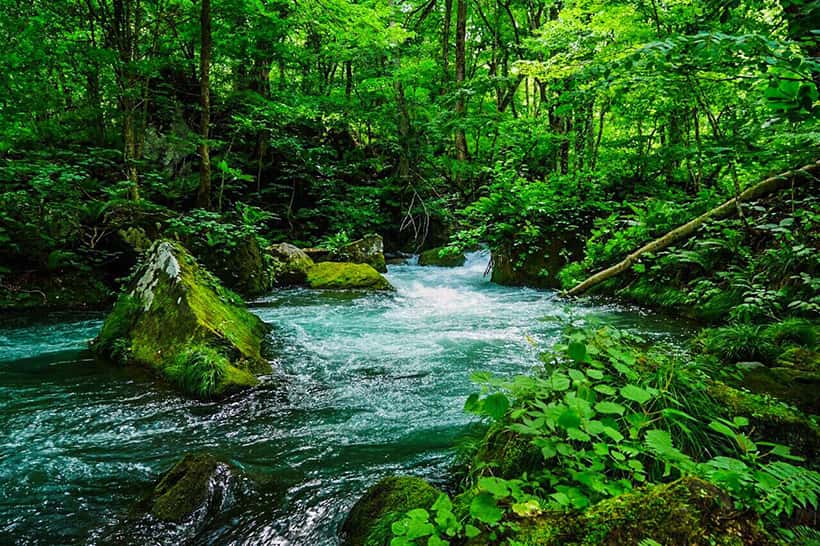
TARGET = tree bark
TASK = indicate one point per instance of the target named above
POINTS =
(762, 188)
(461, 64)
(203, 196)
(445, 39)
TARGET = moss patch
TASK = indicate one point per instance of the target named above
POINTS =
(687, 511)
(442, 258)
(338, 275)
(178, 320)
(370, 520)
(290, 264)
(367, 250)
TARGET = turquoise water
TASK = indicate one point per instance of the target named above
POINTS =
(364, 386)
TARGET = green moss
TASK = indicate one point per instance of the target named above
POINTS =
(369, 522)
(205, 373)
(441, 257)
(178, 320)
(241, 266)
(367, 250)
(771, 419)
(183, 489)
(339, 275)
(793, 331)
(505, 454)
(687, 511)
(290, 264)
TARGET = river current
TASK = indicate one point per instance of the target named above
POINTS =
(364, 386)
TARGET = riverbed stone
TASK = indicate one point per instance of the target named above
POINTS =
(175, 318)
(369, 522)
(442, 257)
(340, 275)
(290, 264)
(243, 266)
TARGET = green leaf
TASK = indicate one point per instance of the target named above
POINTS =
(569, 419)
(609, 408)
(470, 531)
(495, 406)
(635, 393)
(577, 351)
(484, 509)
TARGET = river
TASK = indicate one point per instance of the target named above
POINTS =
(364, 386)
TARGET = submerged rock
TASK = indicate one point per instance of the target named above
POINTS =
(186, 500)
(687, 511)
(197, 485)
(369, 522)
(290, 264)
(178, 320)
(338, 275)
(442, 258)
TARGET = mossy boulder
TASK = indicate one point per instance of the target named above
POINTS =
(369, 522)
(537, 266)
(687, 511)
(290, 264)
(338, 275)
(792, 385)
(771, 420)
(176, 318)
(367, 250)
(242, 266)
(194, 484)
(442, 257)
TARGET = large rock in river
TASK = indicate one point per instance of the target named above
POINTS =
(338, 275)
(367, 250)
(369, 522)
(290, 264)
(536, 266)
(442, 257)
(178, 320)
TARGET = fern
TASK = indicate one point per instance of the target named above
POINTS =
(785, 487)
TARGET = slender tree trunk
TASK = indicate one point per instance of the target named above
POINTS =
(125, 33)
(461, 64)
(445, 40)
(203, 196)
(758, 190)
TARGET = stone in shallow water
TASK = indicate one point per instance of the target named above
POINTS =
(290, 264)
(437, 257)
(178, 320)
(339, 275)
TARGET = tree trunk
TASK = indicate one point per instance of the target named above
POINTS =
(461, 64)
(762, 188)
(445, 39)
(203, 196)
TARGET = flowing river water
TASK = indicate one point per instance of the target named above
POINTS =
(364, 386)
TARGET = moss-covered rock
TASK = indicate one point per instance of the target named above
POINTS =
(367, 250)
(505, 454)
(771, 420)
(188, 487)
(442, 258)
(338, 275)
(242, 267)
(792, 385)
(290, 264)
(538, 266)
(687, 511)
(369, 522)
(175, 318)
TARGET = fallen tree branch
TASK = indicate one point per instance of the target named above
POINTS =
(762, 188)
